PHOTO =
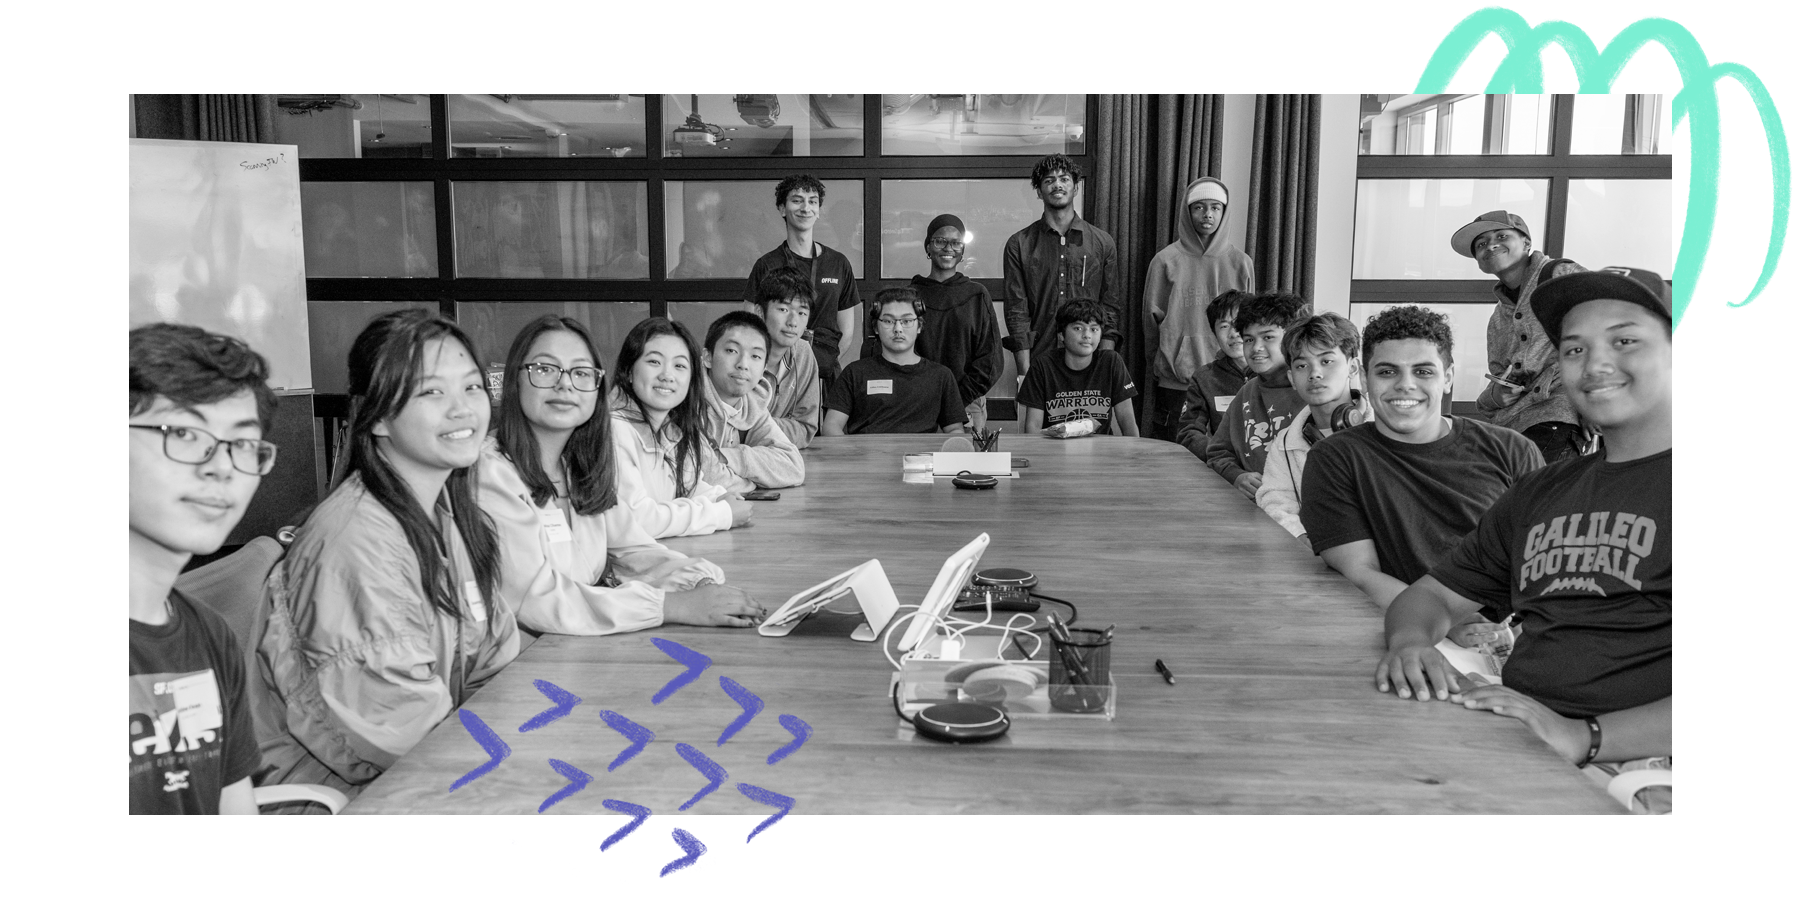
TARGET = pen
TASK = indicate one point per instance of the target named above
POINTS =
(1163, 670)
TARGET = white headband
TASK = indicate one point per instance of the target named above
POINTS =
(1207, 190)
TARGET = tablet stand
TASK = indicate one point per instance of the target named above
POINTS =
(867, 582)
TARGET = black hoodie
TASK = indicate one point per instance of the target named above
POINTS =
(960, 331)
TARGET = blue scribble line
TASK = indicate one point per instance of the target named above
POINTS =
(639, 736)
(577, 781)
(690, 846)
(497, 750)
(770, 798)
(801, 732)
(638, 812)
(696, 663)
(751, 703)
(714, 773)
(565, 704)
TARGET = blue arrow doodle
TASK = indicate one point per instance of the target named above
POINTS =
(577, 781)
(751, 703)
(497, 750)
(690, 845)
(765, 796)
(565, 704)
(712, 771)
(638, 812)
(639, 736)
(801, 732)
(696, 666)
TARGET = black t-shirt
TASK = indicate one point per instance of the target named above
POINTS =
(834, 288)
(1581, 550)
(1413, 501)
(880, 396)
(190, 725)
(1064, 393)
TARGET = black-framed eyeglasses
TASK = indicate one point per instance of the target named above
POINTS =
(945, 244)
(888, 321)
(186, 444)
(545, 375)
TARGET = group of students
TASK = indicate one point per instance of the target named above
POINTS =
(449, 538)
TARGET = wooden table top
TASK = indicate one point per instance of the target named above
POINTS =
(1274, 709)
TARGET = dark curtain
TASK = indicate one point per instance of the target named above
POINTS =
(1147, 149)
(1284, 192)
(205, 118)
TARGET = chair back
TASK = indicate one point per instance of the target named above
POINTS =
(232, 587)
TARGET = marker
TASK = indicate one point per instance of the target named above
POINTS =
(1163, 670)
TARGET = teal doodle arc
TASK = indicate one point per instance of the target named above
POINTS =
(1522, 71)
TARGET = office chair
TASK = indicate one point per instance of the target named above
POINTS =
(232, 588)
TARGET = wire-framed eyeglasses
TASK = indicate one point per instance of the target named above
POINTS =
(546, 375)
(186, 444)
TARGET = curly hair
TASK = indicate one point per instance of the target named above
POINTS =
(1054, 163)
(1079, 311)
(1407, 323)
(804, 182)
(1275, 308)
(192, 366)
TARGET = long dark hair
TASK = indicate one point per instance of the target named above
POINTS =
(386, 363)
(588, 455)
(686, 424)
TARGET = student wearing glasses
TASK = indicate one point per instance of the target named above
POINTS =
(897, 391)
(384, 616)
(960, 330)
(200, 403)
(548, 482)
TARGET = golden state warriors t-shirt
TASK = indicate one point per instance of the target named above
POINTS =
(1064, 393)
(1582, 551)
(190, 727)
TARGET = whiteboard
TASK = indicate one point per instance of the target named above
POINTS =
(215, 242)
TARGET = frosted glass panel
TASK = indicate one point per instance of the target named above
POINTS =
(1620, 222)
(546, 126)
(369, 229)
(355, 126)
(697, 317)
(332, 326)
(1403, 227)
(965, 124)
(1468, 333)
(1622, 124)
(563, 229)
(762, 126)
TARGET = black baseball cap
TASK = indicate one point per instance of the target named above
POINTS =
(1553, 299)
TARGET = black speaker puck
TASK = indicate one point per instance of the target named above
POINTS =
(961, 723)
(1016, 578)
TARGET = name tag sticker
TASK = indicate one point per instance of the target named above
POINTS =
(472, 593)
(1220, 403)
(881, 386)
(556, 524)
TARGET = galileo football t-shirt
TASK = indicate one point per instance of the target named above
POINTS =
(1064, 393)
(1581, 550)
(190, 726)
(880, 396)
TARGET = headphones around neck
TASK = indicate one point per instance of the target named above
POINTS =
(1345, 416)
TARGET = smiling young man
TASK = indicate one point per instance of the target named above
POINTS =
(1057, 259)
(1580, 551)
(897, 391)
(1184, 277)
(790, 380)
(200, 403)
(800, 198)
(1085, 381)
(1265, 404)
(748, 448)
(1531, 399)
(960, 330)
(1321, 354)
(1383, 501)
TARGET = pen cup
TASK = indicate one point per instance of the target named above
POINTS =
(1080, 671)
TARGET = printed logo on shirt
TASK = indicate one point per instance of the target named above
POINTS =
(1068, 405)
(829, 280)
(880, 386)
(1258, 434)
(176, 781)
(175, 712)
(1596, 553)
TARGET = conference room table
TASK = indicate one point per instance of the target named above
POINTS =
(1273, 709)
